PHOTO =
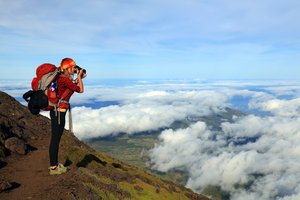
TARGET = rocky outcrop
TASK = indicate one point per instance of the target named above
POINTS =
(18, 125)
(15, 145)
(4, 185)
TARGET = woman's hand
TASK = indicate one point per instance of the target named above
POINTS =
(79, 80)
(81, 75)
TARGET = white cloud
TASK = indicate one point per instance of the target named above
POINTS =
(261, 153)
(279, 107)
(148, 111)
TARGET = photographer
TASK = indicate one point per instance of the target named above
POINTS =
(65, 89)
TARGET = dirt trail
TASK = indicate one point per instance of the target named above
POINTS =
(29, 173)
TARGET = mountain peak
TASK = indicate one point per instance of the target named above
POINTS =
(24, 140)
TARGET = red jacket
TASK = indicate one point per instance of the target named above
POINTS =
(64, 83)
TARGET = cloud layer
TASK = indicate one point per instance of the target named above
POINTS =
(252, 157)
(147, 112)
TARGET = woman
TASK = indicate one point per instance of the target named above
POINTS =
(65, 89)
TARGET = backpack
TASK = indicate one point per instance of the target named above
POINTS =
(44, 89)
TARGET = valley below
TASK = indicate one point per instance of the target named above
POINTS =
(135, 149)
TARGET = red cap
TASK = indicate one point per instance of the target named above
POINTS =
(67, 63)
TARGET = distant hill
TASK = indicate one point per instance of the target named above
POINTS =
(24, 141)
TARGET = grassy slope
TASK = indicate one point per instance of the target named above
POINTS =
(112, 179)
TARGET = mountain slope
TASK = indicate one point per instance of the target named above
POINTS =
(24, 141)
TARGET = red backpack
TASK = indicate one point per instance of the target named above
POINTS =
(46, 78)
(44, 89)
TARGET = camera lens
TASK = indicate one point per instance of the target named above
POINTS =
(79, 68)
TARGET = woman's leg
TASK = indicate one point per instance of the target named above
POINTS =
(57, 128)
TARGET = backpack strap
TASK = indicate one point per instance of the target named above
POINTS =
(55, 79)
(70, 121)
(63, 96)
(47, 79)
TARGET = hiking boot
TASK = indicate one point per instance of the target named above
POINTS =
(60, 169)
(56, 171)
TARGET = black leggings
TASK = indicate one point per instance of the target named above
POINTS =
(58, 121)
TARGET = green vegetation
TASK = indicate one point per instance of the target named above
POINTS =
(134, 150)
(111, 179)
(216, 193)
(130, 149)
(102, 193)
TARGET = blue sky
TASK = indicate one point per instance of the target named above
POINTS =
(186, 39)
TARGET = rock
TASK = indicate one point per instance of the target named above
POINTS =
(2, 164)
(16, 145)
(17, 131)
(3, 152)
(4, 185)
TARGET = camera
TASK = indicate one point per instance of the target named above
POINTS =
(77, 69)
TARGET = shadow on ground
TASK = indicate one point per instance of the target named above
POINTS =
(88, 159)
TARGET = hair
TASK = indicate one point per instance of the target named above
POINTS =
(64, 71)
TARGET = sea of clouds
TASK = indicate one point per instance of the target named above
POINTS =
(254, 156)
